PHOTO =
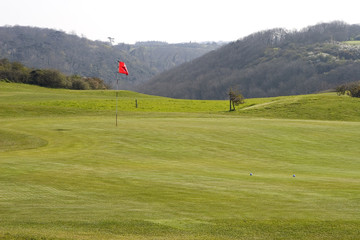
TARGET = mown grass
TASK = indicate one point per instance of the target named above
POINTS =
(66, 171)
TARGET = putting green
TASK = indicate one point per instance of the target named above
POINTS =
(10, 141)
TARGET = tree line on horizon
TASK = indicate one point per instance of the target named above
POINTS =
(18, 73)
(264, 64)
(268, 63)
(74, 55)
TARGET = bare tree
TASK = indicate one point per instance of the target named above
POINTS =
(111, 40)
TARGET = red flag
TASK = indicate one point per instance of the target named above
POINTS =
(122, 68)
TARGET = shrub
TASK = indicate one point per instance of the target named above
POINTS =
(48, 78)
(16, 72)
(352, 89)
(80, 84)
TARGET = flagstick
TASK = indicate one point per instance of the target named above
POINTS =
(117, 91)
(123, 70)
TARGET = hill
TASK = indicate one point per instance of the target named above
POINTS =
(38, 101)
(268, 63)
(71, 54)
(180, 170)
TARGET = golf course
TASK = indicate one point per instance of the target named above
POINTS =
(276, 168)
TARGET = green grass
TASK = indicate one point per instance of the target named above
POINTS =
(327, 106)
(352, 42)
(177, 169)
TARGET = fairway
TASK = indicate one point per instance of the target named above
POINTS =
(175, 169)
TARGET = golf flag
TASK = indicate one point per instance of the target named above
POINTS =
(122, 68)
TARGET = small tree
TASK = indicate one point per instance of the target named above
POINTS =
(352, 89)
(235, 98)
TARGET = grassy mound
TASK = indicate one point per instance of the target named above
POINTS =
(326, 106)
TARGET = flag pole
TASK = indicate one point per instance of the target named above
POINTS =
(117, 93)
(123, 70)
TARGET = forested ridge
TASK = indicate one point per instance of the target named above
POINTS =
(74, 55)
(268, 63)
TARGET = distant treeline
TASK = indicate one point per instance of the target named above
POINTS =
(268, 63)
(71, 54)
(18, 73)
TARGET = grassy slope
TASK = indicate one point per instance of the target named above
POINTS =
(326, 106)
(176, 169)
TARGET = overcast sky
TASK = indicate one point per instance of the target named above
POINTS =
(174, 21)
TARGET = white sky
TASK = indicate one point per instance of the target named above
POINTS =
(174, 21)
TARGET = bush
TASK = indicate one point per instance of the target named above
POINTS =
(48, 78)
(16, 72)
(96, 83)
(80, 84)
(352, 89)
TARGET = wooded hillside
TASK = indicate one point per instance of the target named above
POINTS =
(268, 63)
(18, 73)
(71, 54)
